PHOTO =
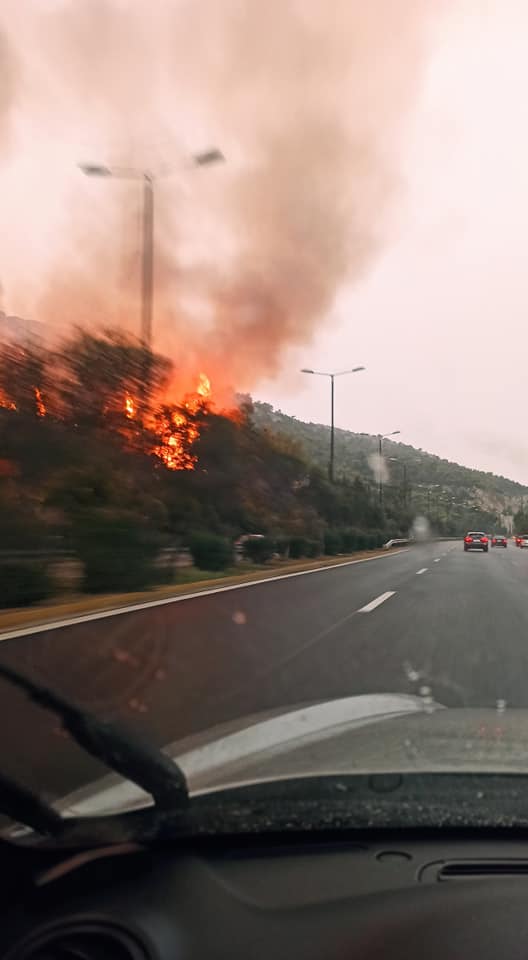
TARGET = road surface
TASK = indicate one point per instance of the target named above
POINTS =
(430, 616)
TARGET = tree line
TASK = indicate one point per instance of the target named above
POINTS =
(95, 463)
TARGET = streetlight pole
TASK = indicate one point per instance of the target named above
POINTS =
(332, 376)
(147, 258)
(380, 476)
(381, 438)
(147, 272)
(332, 430)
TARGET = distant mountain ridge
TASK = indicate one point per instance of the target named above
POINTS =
(432, 482)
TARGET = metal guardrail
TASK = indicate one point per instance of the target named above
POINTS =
(395, 543)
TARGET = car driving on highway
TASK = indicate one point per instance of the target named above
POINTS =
(523, 540)
(476, 541)
(499, 541)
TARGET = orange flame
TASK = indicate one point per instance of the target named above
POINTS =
(39, 403)
(174, 425)
(40, 406)
(174, 450)
(179, 431)
(204, 386)
(6, 402)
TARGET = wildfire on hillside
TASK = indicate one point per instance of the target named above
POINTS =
(40, 406)
(204, 386)
(130, 407)
(177, 433)
(175, 427)
(39, 403)
(5, 402)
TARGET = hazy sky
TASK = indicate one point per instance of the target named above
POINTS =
(373, 128)
(441, 321)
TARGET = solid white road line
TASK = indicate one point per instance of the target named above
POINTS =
(375, 603)
(149, 604)
(423, 570)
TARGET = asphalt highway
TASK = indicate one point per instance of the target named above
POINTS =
(429, 618)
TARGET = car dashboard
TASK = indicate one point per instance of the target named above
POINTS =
(312, 897)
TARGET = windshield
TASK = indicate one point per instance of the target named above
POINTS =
(257, 262)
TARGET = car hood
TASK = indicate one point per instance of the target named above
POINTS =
(376, 733)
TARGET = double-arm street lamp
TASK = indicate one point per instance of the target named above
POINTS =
(148, 178)
(332, 376)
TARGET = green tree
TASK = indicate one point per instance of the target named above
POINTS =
(117, 548)
(210, 552)
(260, 550)
(520, 522)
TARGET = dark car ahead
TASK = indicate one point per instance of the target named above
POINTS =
(499, 541)
(476, 541)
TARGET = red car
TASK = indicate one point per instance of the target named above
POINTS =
(499, 541)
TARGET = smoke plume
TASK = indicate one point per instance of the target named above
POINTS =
(308, 101)
(8, 77)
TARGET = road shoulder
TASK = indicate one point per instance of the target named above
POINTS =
(23, 621)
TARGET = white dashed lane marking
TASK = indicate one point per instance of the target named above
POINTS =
(423, 570)
(195, 595)
(369, 607)
(437, 560)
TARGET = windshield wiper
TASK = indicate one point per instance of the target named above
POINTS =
(120, 750)
(24, 806)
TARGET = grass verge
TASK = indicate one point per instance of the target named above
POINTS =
(190, 580)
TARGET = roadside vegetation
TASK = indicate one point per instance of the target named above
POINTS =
(454, 498)
(101, 474)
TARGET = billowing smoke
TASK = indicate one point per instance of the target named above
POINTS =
(307, 99)
(7, 87)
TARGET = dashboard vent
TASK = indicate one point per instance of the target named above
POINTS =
(80, 940)
(480, 869)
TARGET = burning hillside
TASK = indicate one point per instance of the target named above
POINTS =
(5, 402)
(112, 384)
(175, 425)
